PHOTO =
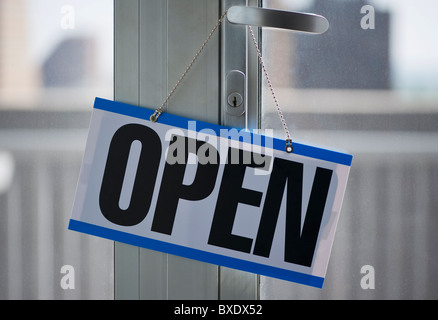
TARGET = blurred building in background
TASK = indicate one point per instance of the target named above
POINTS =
(71, 64)
(20, 78)
(49, 77)
(71, 70)
(331, 61)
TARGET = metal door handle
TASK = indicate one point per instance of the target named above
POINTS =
(261, 17)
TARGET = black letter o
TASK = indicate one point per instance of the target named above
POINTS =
(145, 177)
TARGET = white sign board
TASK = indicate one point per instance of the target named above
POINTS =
(205, 192)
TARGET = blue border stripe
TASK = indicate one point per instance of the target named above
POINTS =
(181, 122)
(196, 254)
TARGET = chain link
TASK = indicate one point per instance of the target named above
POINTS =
(158, 112)
(268, 80)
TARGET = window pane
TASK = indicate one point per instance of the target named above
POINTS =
(55, 55)
(55, 58)
(368, 86)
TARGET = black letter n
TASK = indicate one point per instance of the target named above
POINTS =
(299, 245)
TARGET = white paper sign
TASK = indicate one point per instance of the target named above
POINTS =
(214, 194)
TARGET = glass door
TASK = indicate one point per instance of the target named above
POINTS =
(368, 86)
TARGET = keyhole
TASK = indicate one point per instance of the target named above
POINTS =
(234, 100)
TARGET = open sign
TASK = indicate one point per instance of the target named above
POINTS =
(209, 193)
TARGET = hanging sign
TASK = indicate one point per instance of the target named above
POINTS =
(210, 193)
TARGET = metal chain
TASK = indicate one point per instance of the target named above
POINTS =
(154, 117)
(271, 88)
(157, 113)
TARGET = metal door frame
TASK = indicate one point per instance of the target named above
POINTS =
(154, 41)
